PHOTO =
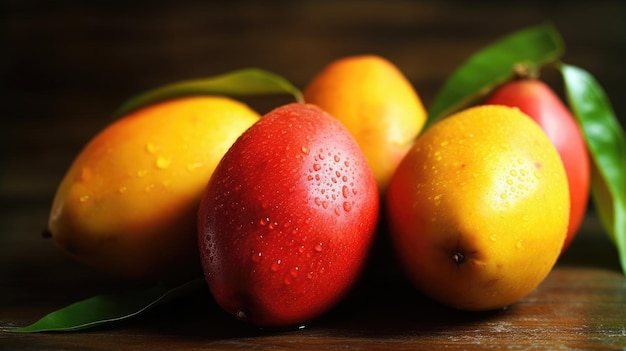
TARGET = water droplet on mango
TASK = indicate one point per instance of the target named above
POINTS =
(85, 174)
(345, 191)
(347, 206)
(152, 148)
(194, 165)
(337, 211)
(294, 272)
(163, 162)
(257, 256)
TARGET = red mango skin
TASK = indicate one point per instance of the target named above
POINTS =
(288, 218)
(538, 100)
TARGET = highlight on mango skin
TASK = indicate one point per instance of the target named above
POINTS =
(127, 205)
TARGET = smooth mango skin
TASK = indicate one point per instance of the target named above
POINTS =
(127, 205)
(376, 103)
(479, 207)
(288, 217)
(539, 102)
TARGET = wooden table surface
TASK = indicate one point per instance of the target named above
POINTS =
(66, 66)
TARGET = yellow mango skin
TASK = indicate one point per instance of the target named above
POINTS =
(376, 103)
(479, 208)
(127, 205)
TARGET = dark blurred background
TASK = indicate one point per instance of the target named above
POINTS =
(65, 66)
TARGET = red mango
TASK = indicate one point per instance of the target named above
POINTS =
(287, 219)
(538, 100)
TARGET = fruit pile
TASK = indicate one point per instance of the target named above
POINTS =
(279, 212)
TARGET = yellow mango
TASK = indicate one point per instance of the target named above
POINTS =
(373, 99)
(127, 205)
(479, 208)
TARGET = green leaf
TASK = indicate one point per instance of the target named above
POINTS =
(244, 82)
(606, 142)
(494, 65)
(105, 309)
